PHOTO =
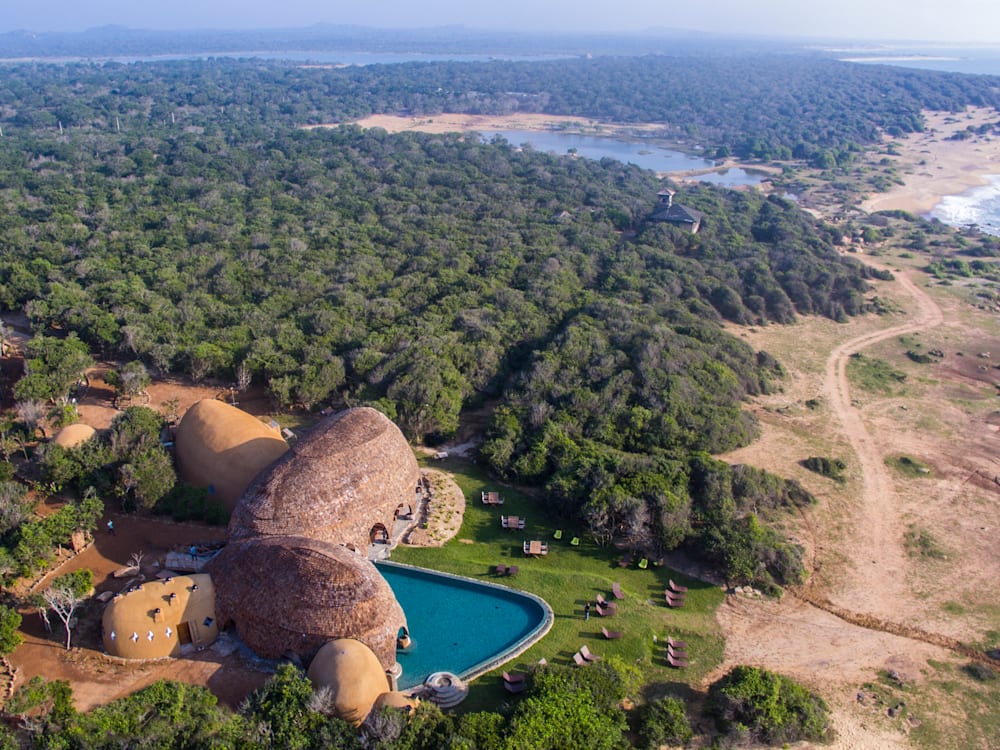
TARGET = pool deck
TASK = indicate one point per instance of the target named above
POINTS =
(507, 654)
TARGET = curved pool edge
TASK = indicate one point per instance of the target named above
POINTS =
(533, 637)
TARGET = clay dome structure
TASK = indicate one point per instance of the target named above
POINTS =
(293, 594)
(74, 435)
(343, 482)
(352, 674)
(223, 448)
(158, 618)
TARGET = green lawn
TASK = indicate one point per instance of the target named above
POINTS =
(567, 578)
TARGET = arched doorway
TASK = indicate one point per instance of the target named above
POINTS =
(379, 534)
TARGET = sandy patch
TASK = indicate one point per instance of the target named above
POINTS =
(933, 166)
(462, 123)
(442, 513)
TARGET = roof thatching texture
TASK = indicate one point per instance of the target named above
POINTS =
(220, 446)
(354, 676)
(348, 473)
(293, 594)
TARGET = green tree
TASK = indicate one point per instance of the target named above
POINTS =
(768, 707)
(282, 705)
(52, 367)
(664, 722)
(10, 621)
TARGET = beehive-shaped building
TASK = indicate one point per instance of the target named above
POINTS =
(158, 618)
(223, 448)
(342, 482)
(293, 594)
(353, 675)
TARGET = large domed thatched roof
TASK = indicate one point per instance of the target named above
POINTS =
(73, 435)
(345, 476)
(354, 676)
(220, 446)
(293, 594)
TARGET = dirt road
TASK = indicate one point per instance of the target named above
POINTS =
(877, 576)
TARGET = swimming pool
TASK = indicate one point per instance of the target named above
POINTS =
(460, 625)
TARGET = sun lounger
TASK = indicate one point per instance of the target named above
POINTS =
(512, 570)
(512, 677)
(675, 587)
(675, 662)
(677, 653)
(580, 661)
(586, 654)
(515, 687)
(674, 600)
(601, 600)
(611, 635)
(617, 591)
(679, 645)
(500, 570)
(608, 611)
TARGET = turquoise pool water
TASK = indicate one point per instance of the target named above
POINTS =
(459, 625)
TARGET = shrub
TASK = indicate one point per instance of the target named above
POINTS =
(665, 722)
(832, 468)
(768, 707)
(10, 621)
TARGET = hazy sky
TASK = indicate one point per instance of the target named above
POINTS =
(935, 20)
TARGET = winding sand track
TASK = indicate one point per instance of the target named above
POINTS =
(877, 578)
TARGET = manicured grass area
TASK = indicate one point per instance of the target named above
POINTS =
(567, 578)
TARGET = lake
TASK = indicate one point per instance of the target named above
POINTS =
(645, 154)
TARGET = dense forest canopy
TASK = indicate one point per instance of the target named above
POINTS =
(763, 105)
(176, 214)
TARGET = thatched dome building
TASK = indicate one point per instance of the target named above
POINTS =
(354, 676)
(342, 482)
(157, 618)
(74, 435)
(293, 594)
(224, 448)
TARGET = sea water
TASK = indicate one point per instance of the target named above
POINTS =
(979, 206)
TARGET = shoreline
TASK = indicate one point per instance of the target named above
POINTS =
(933, 167)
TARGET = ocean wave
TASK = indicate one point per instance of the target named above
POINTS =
(979, 206)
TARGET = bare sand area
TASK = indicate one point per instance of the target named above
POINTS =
(856, 537)
(934, 166)
(448, 122)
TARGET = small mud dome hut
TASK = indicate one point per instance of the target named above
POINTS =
(224, 448)
(343, 482)
(74, 435)
(159, 618)
(353, 675)
(293, 594)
